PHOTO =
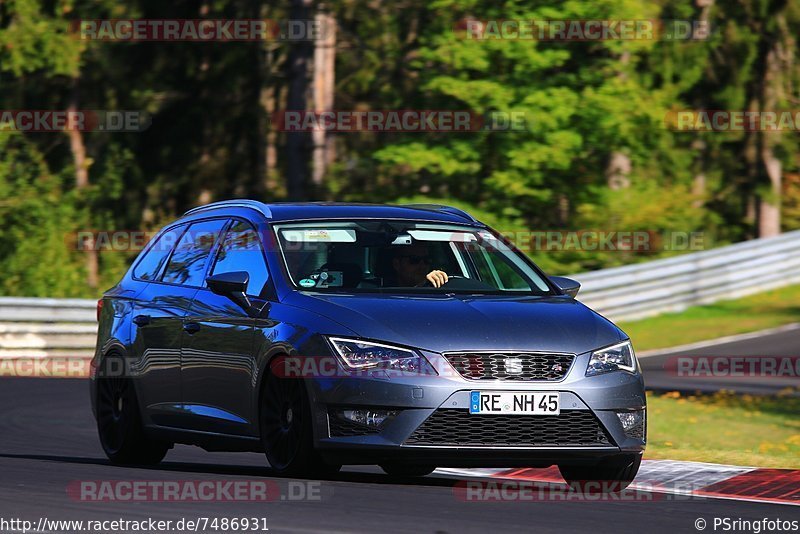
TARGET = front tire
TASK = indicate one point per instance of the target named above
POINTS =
(119, 423)
(609, 476)
(286, 429)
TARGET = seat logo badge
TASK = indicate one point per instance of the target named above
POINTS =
(513, 366)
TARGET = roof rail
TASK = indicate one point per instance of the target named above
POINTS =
(441, 207)
(234, 203)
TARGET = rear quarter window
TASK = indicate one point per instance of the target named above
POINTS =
(187, 265)
(153, 259)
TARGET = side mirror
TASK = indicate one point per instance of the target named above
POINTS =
(233, 286)
(567, 285)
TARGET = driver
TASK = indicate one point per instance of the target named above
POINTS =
(412, 266)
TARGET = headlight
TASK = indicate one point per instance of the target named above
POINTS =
(357, 355)
(618, 357)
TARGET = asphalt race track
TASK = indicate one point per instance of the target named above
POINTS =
(48, 444)
(782, 342)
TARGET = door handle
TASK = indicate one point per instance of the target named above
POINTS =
(191, 328)
(141, 320)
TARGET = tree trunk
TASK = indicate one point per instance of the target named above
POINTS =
(769, 203)
(699, 180)
(618, 171)
(751, 161)
(269, 91)
(273, 94)
(78, 149)
(763, 168)
(269, 104)
(297, 143)
(324, 77)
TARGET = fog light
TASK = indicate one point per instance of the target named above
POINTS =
(371, 418)
(632, 423)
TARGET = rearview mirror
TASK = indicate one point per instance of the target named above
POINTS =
(567, 285)
(232, 285)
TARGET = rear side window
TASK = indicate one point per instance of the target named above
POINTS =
(155, 256)
(188, 263)
(241, 251)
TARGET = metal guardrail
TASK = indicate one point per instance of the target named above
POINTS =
(674, 284)
(43, 310)
(43, 327)
(39, 327)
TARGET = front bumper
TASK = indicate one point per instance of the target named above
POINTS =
(421, 399)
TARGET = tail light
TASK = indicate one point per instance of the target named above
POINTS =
(99, 308)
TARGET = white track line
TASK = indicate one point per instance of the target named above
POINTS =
(719, 341)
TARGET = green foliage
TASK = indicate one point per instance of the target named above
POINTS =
(37, 217)
(585, 104)
(501, 222)
(725, 428)
(31, 42)
(582, 102)
(667, 214)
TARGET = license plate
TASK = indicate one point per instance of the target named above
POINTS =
(515, 403)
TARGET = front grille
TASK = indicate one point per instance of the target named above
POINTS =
(519, 366)
(460, 428)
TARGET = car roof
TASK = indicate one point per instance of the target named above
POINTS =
(297, 211)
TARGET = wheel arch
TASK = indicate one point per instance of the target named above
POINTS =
(278, 350)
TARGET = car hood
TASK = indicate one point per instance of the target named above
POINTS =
(448, 322)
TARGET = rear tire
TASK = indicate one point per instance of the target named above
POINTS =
(119, 422)
(286, 429)
(609, 476)
(399, 470)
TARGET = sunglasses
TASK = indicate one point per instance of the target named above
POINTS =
(416, 260)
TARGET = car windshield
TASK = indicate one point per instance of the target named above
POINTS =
(396, 256)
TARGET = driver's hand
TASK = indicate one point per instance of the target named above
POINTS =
(437, 278)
